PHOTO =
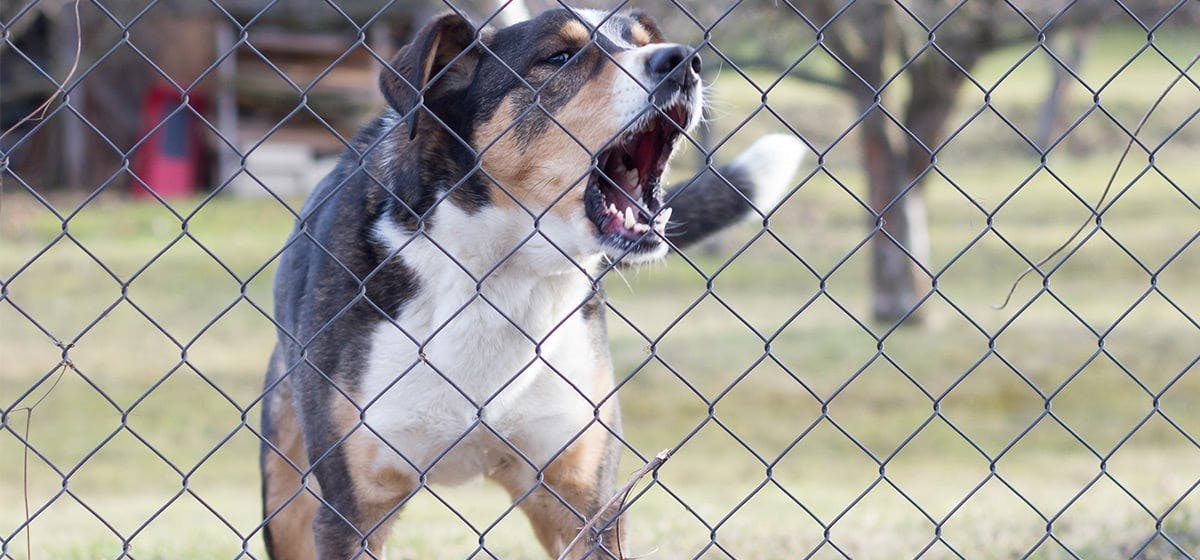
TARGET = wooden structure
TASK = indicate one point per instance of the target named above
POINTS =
(298, 73)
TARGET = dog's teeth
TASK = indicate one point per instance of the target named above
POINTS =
(629, 219)
(664, 216)
(640, 228)
(612, 209)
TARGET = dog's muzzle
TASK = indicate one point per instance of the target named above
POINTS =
(624, 194)
(672, 70)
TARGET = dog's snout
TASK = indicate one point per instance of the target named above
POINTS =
(663, 62)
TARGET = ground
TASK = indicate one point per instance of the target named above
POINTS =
(1073, 407)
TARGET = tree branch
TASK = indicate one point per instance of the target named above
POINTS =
(765, 63)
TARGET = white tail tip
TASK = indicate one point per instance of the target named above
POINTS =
(772, 162)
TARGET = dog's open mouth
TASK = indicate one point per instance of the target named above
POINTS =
(624, 194)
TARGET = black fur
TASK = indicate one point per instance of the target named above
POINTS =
(334, 283)
(710, 202)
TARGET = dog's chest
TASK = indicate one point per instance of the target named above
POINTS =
(473, 367)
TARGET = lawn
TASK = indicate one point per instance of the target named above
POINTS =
(799, 425)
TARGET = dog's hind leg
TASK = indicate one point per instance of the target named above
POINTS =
(288, 505)
(573, 489)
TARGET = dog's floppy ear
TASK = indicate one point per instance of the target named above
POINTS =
(443, 41)
(648, 23)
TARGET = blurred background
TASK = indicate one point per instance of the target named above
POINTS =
(839, 378)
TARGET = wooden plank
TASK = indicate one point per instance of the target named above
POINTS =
(229, 160)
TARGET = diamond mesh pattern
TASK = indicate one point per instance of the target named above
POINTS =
(804, 419)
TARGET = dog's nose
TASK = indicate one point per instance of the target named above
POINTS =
(663, 62)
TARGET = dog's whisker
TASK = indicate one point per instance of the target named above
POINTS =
(613, 266)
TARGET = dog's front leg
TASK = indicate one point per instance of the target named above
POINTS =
(359, 498)
(573, 488)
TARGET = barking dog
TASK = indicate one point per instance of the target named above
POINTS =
(439, 305)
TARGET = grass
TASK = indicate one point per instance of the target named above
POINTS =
(1082, 416)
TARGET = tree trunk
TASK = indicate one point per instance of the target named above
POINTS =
(860, 38)
(71, 130)
(1051, 113)
(935, 84)
(893, 284)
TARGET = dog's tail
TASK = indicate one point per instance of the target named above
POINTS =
(748, 187)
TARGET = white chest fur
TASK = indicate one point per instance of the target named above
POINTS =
(487, 357)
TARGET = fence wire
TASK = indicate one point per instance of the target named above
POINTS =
(825, 384)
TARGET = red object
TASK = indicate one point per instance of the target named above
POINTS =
(170, 161)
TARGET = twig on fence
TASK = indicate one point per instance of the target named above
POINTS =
(41, 110)
(1107, 188)
(620, 496)
(28, 410)
(38, 114)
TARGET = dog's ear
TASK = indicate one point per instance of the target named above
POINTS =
(447, 40)
(647, 22)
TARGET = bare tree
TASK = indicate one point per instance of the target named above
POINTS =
(936, 56)
(901, 65)
(898, 150)
(881, 48)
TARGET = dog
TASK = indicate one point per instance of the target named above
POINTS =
(439, 305)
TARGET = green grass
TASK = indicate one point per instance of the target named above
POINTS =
(178, 344)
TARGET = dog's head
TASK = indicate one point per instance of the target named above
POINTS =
(568, 117)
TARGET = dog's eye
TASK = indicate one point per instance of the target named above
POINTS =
(558, 59)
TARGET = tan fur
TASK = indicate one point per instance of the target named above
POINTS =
(377, 489)
(640, 36)
(375, 484)
(573, 479)
(291, 526)
(560, 161)
(429, 59)
(575, 33)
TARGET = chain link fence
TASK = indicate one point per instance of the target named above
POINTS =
(967, 329)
